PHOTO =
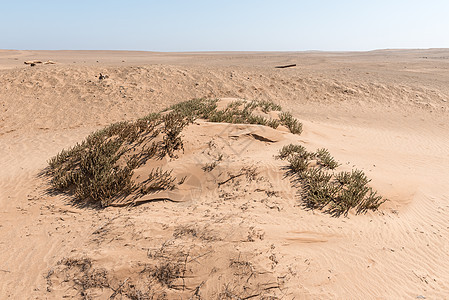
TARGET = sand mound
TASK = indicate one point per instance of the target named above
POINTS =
(130, 163)
(189, 153)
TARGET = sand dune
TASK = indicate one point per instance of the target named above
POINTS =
(384, 112)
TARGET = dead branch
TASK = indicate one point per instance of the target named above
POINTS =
(285, 66)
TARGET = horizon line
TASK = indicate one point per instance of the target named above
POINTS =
(227, 51)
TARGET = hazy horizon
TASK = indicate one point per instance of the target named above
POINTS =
(204, 26)
(226, 51)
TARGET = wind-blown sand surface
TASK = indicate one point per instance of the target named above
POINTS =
(384, 112)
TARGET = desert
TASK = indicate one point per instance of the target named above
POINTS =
(236, 224)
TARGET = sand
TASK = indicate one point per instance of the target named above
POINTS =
(384, 112)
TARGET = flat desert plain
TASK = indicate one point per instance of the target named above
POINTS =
(227, 236)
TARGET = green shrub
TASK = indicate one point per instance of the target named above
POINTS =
(264, 105)
(268, 106)
(92, 172)
(100, 169)
(354, 192)
(371, 201)
(195, 108)
(318, 191)
(298, 164)
(237, 112)
(290, 150)
(291, 123)
(325, 159)
(174, 123)
(321, 189)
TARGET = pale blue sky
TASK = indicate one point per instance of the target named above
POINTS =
(198, 25)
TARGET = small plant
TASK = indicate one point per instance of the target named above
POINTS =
(354, 192)
(318, 191)
(321, 189)
(343, 178)
(273, 123)
(291, 123)
(174, 123)
(237, 112)
(195, 108)
(371, 201)
(268, 106)
(325, 159)
(250, 172)
(167, 272)
(209, 166)
(292, 150)
(264, 105)
(86, 276)
(183, 230)
(298, 164)
(234, 114)
(100, 169)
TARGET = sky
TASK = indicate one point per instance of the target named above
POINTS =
(231, 25)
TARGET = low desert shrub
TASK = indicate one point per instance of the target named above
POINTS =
(237, 112)
(100, 169)
(293, 150)
(325, 159)
(91, 171)
(264, 105)
(354, 192)
(174, 123)
(195, 108)
(298, 164)
(318, 191)
(291, 123)
(336, 193)
(268, 106)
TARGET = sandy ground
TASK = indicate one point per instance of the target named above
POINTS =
(385, 112)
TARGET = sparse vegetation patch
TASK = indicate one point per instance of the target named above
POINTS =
(237, 112)
(325, 159)
(291, 123)
(100, 169)
(336, 193)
